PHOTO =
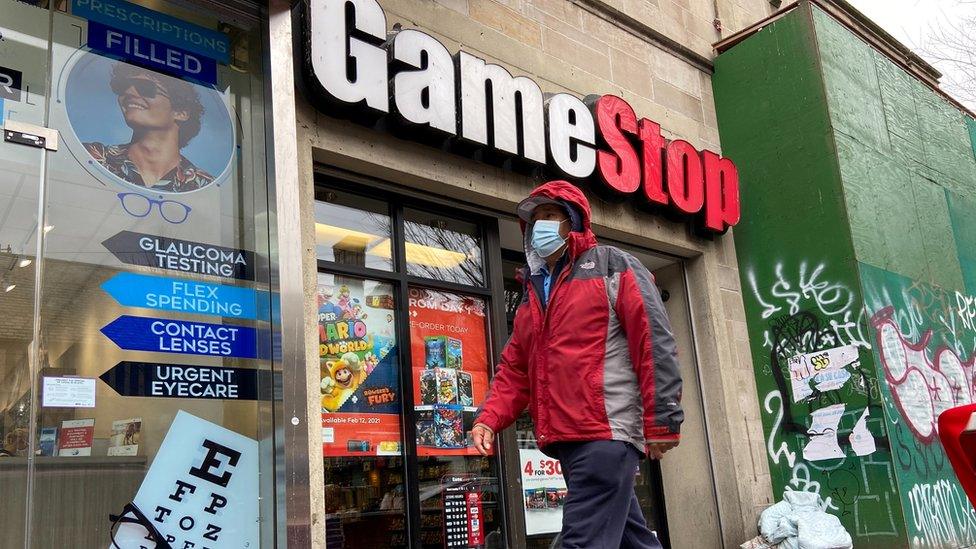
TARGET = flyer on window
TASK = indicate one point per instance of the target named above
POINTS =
(358, 362)
(543, 492)
(449, 354)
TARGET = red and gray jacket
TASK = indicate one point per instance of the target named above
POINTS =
(599, 361)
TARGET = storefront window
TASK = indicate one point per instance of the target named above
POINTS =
(443, 248)
(361, 407)
(383, 490)
(353, 230)
(136, 372)
(449, 352)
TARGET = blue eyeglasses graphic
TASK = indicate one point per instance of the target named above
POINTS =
(139, 205)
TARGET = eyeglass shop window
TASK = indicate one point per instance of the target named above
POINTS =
(415, 301)
(135, 334)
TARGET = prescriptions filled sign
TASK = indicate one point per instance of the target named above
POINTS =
(449, 351)
(358, 362)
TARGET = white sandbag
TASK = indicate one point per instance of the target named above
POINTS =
(803, 502)
(771, 523)
(819, 530)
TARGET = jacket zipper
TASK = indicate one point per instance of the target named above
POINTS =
(563, 274)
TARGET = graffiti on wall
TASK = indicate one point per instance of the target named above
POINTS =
(925, 349)
(807, 289)
(922, 385)
(822, 408)
(941, 515)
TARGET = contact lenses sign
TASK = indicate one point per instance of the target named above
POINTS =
(160, 335)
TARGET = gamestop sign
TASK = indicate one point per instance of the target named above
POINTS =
(410, 79)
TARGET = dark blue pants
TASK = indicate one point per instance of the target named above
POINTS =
(601, 509)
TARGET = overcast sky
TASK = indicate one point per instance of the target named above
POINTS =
(914, 23)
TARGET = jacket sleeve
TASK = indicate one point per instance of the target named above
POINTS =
(652, 350)
(509, 393)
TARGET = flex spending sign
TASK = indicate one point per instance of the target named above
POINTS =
(469, 105)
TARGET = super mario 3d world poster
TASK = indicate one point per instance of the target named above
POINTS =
(359, 367)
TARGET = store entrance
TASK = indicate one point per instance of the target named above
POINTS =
(542, 524)
(413, 298)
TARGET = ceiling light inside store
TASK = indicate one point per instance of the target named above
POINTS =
(379, 246)
(48, 228)
(346, 239)
(9, 288)
(429, 256)
(24, 262)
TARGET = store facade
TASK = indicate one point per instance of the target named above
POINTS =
(419, 127)
(135, 250)
(259, 263)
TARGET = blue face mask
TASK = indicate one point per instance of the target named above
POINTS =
(545, 237)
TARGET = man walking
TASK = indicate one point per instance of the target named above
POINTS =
(593, 357)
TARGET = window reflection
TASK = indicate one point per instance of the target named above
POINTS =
(353, 230)
(443, 248)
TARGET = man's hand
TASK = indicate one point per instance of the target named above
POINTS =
(483, 437)
(656, 450)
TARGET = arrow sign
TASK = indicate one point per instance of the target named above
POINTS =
(146, 250)
(152, 379)
(182, 295)
(160, 335)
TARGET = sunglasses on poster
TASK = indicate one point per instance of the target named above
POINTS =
(139, 205)
(145, 87)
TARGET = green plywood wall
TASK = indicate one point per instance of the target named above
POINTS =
(858, 232)
(798, 264)
(909, 176)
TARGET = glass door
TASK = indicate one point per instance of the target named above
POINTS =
(136, 340)
(410, 283)
(24, 68)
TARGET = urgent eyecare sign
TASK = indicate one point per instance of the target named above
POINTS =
(472, 104)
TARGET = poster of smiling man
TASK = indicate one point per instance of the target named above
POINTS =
(147, 129)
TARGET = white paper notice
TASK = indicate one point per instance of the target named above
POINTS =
(69, 392)
(543, 492)
(823, 443)
(862, 441)
(824, 368)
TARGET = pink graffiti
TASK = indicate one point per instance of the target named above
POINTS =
(922, 388)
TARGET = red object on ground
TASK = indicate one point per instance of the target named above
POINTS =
(957, 430)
